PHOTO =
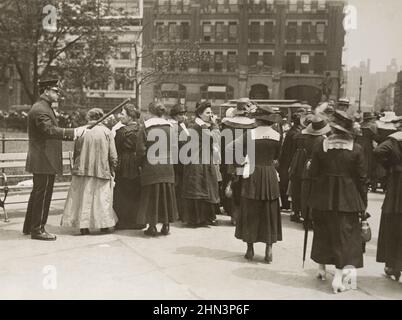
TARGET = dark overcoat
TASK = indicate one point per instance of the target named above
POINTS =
(45, 139)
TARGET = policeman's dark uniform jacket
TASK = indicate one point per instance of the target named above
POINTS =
(389, 248)
(339, 194)
(44, 160)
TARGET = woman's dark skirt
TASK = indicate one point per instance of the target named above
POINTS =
(197, 212)
(158, 204)
(259, 221)
(337, 239)
(389, 246)
(126, 201)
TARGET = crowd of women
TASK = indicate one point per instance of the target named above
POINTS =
(321, 165)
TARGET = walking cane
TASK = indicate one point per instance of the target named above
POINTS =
(305, 239)
(121, 105)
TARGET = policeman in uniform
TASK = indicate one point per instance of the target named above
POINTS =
(44, 158)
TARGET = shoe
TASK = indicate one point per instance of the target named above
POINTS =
(232, 221)
(295, 218)
(392, 274)
(84, 231)
(212, 223)
(321, 273)
(165, 229)
(43, 236)
(250, 252)
(151, 231)
(337, 285)
(105, 230)
(268, 254)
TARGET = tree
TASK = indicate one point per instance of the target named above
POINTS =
(37, 37)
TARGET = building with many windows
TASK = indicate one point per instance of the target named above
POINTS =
(262, 49)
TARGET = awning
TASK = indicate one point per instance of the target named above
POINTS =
(216, 88)
(169, 87)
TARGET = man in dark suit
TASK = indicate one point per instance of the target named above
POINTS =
(44, 158)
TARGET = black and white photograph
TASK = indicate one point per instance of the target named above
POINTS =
(226, 151)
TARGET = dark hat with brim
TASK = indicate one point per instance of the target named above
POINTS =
(317, 127)
(178, 109)
(368, 116)
(306, 120)
(342, 122)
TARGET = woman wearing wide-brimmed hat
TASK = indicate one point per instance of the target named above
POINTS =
(339, 195)
(315, 133)
(389, 247)
(200, 190)
(259, 218)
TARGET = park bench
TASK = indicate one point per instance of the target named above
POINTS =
(16, 162)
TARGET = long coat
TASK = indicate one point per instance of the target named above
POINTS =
(126, 143)
(340, 179)
(201, 180)
(45, 139)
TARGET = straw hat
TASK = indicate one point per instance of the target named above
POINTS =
(318, 127)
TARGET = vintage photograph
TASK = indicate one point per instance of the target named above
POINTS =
(226, 150)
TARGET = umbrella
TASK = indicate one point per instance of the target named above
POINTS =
(305, 239)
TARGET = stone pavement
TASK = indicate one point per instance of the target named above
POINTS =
(204, 263)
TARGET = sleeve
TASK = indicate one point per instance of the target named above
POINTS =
(383, 152)
(361, 175)
(44, 124)
(113, 160)
(141, 149)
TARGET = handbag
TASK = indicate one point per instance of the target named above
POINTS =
(365, 227)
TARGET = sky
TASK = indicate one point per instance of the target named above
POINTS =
(378, 35)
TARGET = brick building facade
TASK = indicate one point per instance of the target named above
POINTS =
(263, 49)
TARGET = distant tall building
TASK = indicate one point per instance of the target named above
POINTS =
(262, 49)
(398, 95)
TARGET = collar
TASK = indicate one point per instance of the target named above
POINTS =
(265, 132)
(337, 142)
(152, 122)
(202, 123)
(45, 98)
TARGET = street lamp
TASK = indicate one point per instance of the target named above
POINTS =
(360, 94)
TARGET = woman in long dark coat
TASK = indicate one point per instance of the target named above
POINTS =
(260, 218)
(127, 191)
(314, 134)
(339, 195)
(389, 248)
(200, 191)
(158, 196)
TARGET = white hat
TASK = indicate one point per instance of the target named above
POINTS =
(389, 116)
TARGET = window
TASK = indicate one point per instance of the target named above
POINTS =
(254, 32)
(219, 32)
(255, 5)
(122, 80)
(233, 32)
(221, 6)
(293, 5)
(163, 6)
(321, 5)
(159, 31)
(204, 64)
(232, 61)
(186, 6)
(290, 61)
(185, 31)
(319, 63)
(234, 5)
(253, 59)
(218, 66)
(307, 6)
(268, 31)
(306, 31)
(320, 32)
(172, 31)
(291, 32)
(174, 5)
(172, 61)
(125, 53)
(207, 31)
(305, 63)
(267, 59)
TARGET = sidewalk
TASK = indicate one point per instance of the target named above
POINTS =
(205, 263)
